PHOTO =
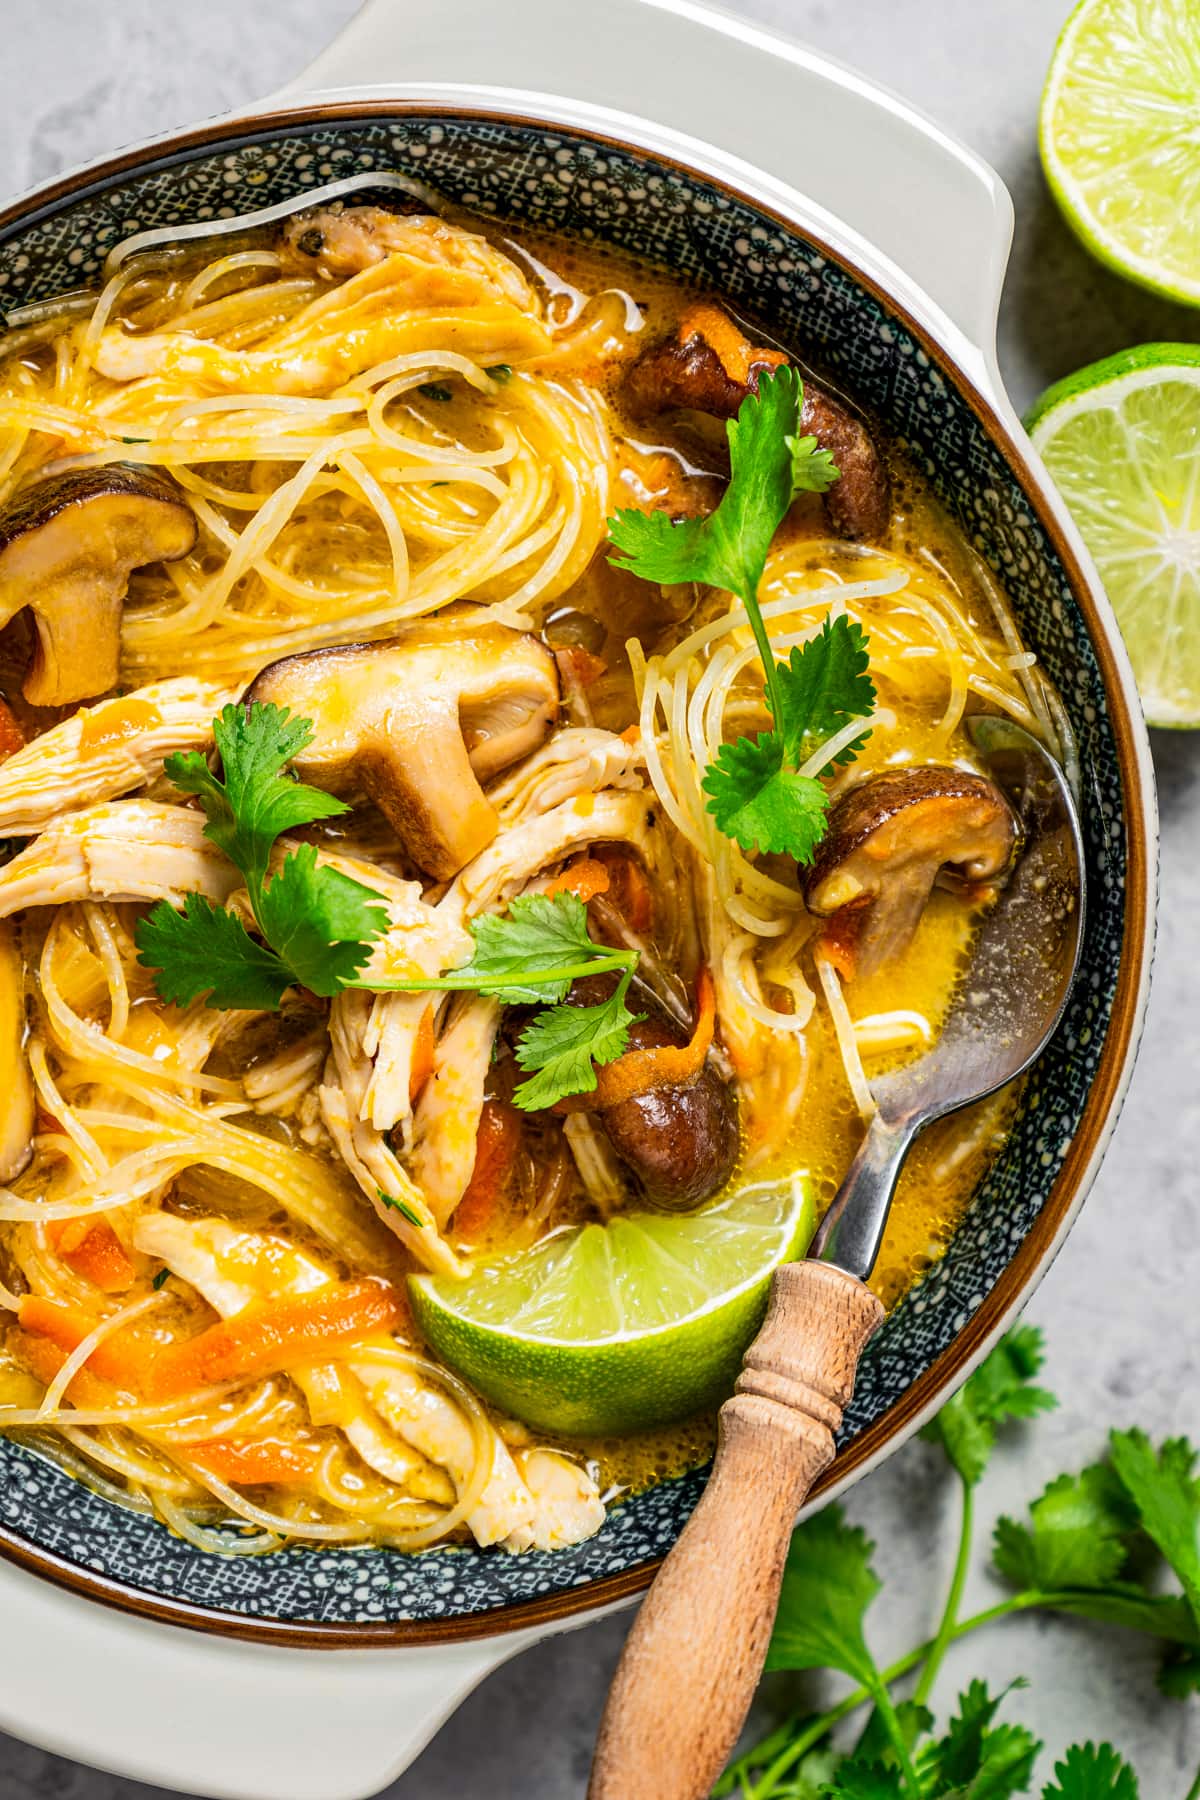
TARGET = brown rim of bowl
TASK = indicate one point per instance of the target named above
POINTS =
(1120, 1039)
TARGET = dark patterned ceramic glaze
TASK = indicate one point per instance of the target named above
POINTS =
(566, 183)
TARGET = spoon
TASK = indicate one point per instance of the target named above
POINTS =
(692, 1661)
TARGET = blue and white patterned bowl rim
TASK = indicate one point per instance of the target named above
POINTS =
(566, 181)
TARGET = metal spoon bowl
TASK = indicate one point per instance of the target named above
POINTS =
(1007, 1005)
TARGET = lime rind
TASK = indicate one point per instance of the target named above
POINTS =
(1109, 369)
(1117, 131)
(608, 1329)
(1121, 439)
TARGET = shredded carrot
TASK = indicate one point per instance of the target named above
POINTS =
(94, 1251)
(838, 943)
(579, 665)
(251, 1462)
(629, 889)
(121, 1359)
(641, 1071)
(736, 354)
(267, 1338)
(631, 734)
(12, 738)
(422, 1056)
(44, 1359)
(496, 1146)
(585, 878)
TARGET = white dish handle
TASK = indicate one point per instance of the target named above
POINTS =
(222, 1719)
(931, 205)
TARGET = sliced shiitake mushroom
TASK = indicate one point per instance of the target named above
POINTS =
(678, 1139)
(887, 842)
(710, 366)
(68, 546)
(418, 722)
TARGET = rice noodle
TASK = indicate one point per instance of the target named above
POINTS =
(360, 453)
(843, 1026)
(82, 1352)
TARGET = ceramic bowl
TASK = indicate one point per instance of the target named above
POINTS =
(921, 362)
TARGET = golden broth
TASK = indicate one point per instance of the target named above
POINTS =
(608, 307)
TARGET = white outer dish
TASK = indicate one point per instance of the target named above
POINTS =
(241, 1721)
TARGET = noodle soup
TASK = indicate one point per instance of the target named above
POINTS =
(358, 473)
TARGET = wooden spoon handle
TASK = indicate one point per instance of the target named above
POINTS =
(691, 1663)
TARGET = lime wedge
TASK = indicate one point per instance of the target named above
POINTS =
(1120, 138)
(1122, 440)
(612, 1328)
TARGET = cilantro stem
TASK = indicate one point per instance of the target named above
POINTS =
(1193, 1792)
(795, 1747)
(945, 1632)
(887, 1712)
(766, 654)
(605, 964)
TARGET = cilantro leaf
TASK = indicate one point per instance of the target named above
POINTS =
(875, 1744)
(823, 685)
(206, 950)
(254, 803)
(976, 1760)
(958, 1756)
(1164, 1489)
(564, 1044)
(760, 804)
(828, 1584)
(813, 470)
(1077, 1536)
(1179, 1676)
(728, 549)
(1000, 1389)
(1092, 1772)
(755, 791)
(859, 1780)
(540, 932)
(1006, 1765)
(320, 921)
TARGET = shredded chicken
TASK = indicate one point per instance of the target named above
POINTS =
(344, 242)
(122, 850)
(364, 1149)
(390, 1039)
(104, 751)
(446, 1121)
(506, 866)
(582, 760)
(445, 288)
(233, 1268)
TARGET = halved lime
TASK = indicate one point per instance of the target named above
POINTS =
(1120, 138)
(1122, 440)
(612, 1328)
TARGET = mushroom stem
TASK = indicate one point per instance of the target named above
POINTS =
(417, 723)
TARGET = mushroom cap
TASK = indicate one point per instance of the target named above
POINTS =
(680, 1141)
(417, 722)
(710, 366)
(67, 548)
(888, 838)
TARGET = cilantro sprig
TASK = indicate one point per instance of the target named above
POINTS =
(316, 924)
(755, 790)
(530, 956)
(1094, 1546)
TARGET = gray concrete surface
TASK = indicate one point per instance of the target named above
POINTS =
(1119, 1308)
